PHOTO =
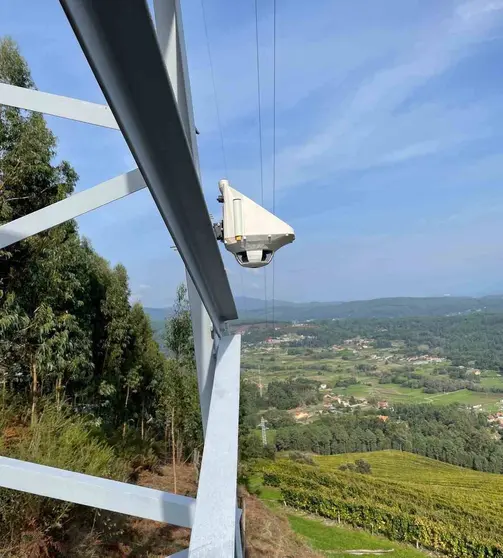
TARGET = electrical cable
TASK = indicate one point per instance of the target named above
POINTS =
(245, 302)
(259, 105)
(261, 156)
(217, 110)
(274, 155)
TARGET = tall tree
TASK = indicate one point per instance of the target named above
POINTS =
(38, 288)
(179, 406)
(178, 336)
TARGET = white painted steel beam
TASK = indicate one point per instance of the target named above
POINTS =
(57, 105)
(121, 45)
(170, 36)
(169, 29)
(71, 207)
(205, 349)
(96, 492)
(214, 528)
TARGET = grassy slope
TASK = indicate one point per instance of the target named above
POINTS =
(332, 539)
(268, 534)
(397, 466)
(457, 497)
(336, 541)
(449, 482)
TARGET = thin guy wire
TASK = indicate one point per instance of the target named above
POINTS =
(260, 140)
(217, 110)
(259, 105)
(274, 154)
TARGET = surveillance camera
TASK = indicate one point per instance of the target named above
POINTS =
(248, 230)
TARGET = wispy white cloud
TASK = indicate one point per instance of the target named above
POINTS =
(412, 151)
(475, 9)
(371, 126)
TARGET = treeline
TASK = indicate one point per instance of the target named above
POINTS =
(451, 378)
(443, 383)
(279, 394)
(451, 434)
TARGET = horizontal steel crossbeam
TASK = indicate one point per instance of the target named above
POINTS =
(119, 41)
(71, 207)
(57, 105)
(101, 493)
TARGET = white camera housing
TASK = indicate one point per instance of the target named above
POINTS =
(250, 232)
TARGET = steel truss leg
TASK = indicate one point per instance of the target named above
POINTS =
(214, 529)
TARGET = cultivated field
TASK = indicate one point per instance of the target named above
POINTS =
(407, 498)
(278, 364)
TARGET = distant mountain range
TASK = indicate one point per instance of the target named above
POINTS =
(254, 309)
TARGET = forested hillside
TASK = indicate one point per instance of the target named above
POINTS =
(83, 384)
(254, 309)
(67, 327)
(450, 434)
(473, 338)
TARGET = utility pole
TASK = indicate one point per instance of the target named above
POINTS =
(262, 421)
(264, 431)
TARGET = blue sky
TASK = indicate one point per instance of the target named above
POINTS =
(388, 153)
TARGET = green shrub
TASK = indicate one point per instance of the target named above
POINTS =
(254, 484)
(300, 457)
(146, 454)
(68, 441)
(363, 467)
(32, 524)
(359, 466)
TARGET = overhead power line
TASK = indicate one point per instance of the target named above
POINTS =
(261, 155)
(274, 156)
(259, 106)
(217, 110)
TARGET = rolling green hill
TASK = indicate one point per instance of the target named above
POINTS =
(410, 469)
(253, 309)
(397, 307)
(407, 498)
